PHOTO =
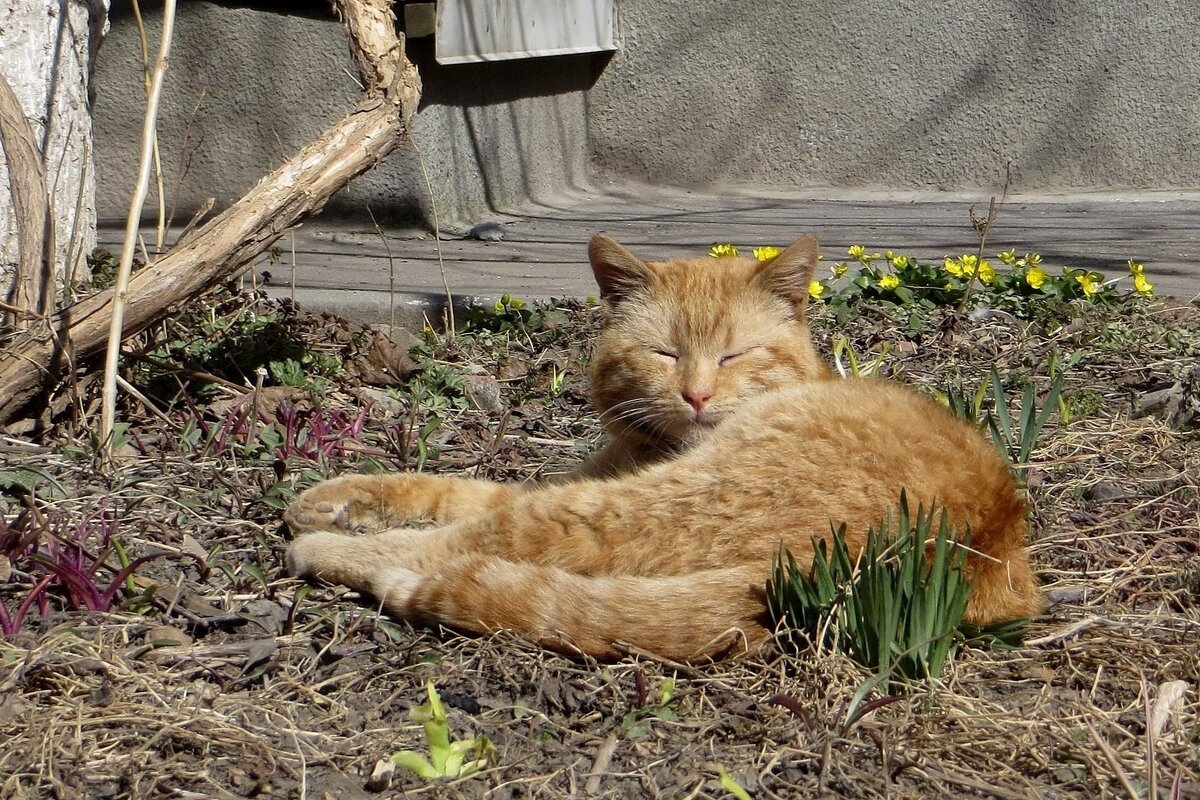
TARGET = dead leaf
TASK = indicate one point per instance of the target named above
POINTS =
(1165, 706)
(388, 362)
(270, 398)
(167, 636)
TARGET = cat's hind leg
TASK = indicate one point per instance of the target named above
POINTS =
(690, 617)
(376, 502)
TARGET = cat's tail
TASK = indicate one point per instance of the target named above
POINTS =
(696, 617)
(1004, 586)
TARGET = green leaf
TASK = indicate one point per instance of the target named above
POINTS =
(417, 763)
(729, 784)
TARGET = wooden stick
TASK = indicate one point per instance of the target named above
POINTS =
(108, 409)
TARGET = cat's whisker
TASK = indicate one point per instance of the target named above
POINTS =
(633, 405)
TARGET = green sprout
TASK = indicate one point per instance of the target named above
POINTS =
(447, 759)
(896, 609)
(727, 782)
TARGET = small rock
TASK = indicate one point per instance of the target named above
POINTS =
(484, 393)
(1104, 491)
(382, 403)
(486, 232)
(1066, 594)
(268, 614)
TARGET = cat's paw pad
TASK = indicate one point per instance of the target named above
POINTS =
(308, 514)
(340, 504)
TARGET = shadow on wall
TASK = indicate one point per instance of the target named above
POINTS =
(313, 9)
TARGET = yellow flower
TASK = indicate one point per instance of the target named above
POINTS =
(1143, 286)
(1088, 282)
(1033, 259)
(898, 261)
(1008, 257)
(954, 267)
(969, 263)
(859, 253)
(1136, 267)
(816, 289)
(838, 269)
(1035, 277)
(723, 251)
(766, 253)
(889, 282)
(987, 273)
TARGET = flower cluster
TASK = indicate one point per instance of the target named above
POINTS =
(901, 279)
(726, 250)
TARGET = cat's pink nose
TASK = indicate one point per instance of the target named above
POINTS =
(697, 398)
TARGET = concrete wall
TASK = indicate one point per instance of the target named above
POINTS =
(248, 87)
(862, 94)
(904, 95)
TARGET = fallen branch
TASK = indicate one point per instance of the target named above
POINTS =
(297, 189)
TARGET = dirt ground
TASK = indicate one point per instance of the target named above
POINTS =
(213, 675)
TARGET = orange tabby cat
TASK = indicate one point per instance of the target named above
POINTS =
(730, 438)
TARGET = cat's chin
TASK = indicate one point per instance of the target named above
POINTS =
(696, 430)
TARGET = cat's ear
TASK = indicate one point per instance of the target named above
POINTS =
(617, 270)
(790, 273)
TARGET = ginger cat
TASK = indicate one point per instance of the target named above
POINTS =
(729, 437)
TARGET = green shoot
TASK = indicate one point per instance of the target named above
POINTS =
(447, 759)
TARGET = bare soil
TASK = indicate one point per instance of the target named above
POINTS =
(214, 675)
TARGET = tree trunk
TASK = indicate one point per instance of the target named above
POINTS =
(47, 205)
(41, 357)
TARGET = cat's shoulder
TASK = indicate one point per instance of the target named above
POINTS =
(848, 390)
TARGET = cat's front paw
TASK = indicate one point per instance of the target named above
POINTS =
(340, 504)
(308, 555)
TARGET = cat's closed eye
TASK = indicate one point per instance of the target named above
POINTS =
(725, 359)
(668, 354)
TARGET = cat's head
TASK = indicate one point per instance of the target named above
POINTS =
(686, 342)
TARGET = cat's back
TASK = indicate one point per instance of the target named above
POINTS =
(846, 448)
(852, 413)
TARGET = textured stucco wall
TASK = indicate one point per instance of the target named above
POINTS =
(903, 95)
(858, 95)
(248, 87)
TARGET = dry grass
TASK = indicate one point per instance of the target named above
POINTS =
(236, 682)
